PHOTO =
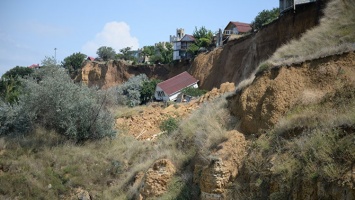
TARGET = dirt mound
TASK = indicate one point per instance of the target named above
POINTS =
(144, 125)
(275, 92)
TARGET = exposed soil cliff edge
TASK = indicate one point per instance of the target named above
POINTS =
(240, 57)
(115, 72)
(275, 92)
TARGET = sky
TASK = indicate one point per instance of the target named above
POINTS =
(30, 30)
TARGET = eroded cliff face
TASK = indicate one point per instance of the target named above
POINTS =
(115, 72)
(273, 93)
(240, 57)
(269, 98)
(103, 74)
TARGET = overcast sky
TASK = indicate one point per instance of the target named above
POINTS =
(31, 29)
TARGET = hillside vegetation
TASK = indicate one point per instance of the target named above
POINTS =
(287, 133)
(334, 35)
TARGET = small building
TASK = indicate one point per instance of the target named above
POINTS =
(290, 4)
(236, 28)
(186, 41)
(170, 89)
(181, 42)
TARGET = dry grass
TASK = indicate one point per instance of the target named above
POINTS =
(334, 35)
(43, 165)
(313, 142)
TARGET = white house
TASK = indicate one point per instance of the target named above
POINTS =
(290, 4)
(170, 89)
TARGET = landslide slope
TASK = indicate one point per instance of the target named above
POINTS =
(298, 116)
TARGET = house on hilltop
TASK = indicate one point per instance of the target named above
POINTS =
(170, 89)
(290, 4)
(181, 42)
(236, 28)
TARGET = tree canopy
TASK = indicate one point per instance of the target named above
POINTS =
(10, 86)
(127, 54)
(49, 61)
(265, 17)
(106, 53)
(148, 90)
(203, 39)
(163, 53)
(73, 62)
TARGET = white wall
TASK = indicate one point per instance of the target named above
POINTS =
(160, 98)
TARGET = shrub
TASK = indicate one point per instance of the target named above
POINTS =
(55, 102)
(129, 92)
(169, 125)
(13, 120)
(195, 92)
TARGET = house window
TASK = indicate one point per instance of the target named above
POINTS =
(161, 94)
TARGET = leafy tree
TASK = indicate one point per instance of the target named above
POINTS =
(163, 53)
(203, 36)
(18, 72)
(74, 62)
(193, 49)
(106, 53)
(126, 54)
(10, 85)
(57, 103)
(49, 61)
(148, 51)
(203, 39)
(148, 90)
(265, 17)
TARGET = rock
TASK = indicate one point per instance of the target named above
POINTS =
(156, 179)
(223, 167)
(82, 194)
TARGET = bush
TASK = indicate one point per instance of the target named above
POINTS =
(169, 125)
(13, 120)
(194, 92)
(55, 102)
(129, 93)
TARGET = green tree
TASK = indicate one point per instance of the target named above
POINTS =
(49, 61)
(10, 85)
(73, 62)
(148, 90)
(203, 39)
(18, 72)
(148, 50)
(106, 53)
(126, 54)
(163, 53)
(265, 17)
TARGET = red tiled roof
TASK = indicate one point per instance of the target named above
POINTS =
(91, 58)
(177, 83)
(242, 27)
(33, 66)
